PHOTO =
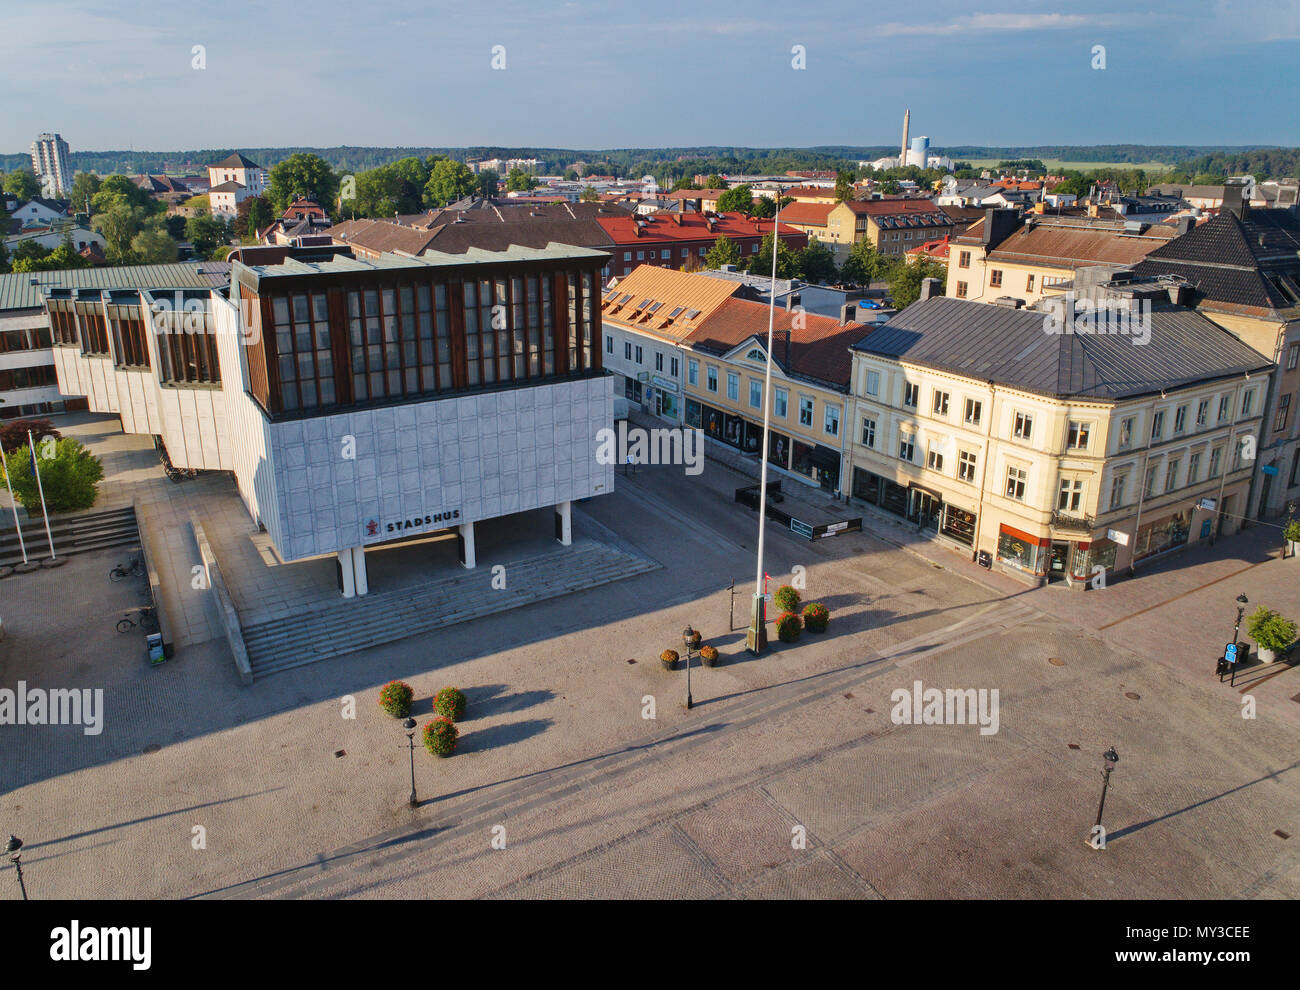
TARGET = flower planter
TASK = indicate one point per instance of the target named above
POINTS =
(709, 656)
(668, 664)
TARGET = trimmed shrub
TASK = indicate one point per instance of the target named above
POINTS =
(816, 616)
(440, 736)
(395, 697)
(787, 627)
(450, 702)
(668, 658)
(708, 656)
(786, 599)
(1270, 630)
(1292, 532)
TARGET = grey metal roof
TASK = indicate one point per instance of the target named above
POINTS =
(17, 291)
(1013, 347)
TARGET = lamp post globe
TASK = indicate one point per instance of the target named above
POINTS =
(12, 850)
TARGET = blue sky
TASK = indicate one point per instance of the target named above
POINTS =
(607, 74)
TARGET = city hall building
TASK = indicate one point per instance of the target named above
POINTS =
(359, 403)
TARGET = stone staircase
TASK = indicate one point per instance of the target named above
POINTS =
(95, 529)
(344, 626)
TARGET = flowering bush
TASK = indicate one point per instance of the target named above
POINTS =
(708, 655)
(395, 697)
(669, 658)
(450, 702)
(786, 599)
(440, 736)
(816, 616)
(787, 627)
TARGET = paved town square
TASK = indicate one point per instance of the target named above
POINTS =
(788, 777)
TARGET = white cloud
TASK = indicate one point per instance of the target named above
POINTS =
(999, 22)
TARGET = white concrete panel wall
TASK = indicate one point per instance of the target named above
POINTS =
(484, 456)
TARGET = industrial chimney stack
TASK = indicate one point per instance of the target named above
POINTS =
(907, 121)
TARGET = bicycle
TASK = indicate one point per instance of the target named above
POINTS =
(146, 620)
(133, 568)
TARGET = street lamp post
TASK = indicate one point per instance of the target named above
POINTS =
(11, 850)
(688, 643)
(1111, 758)
(409, 726)
(1242, 602)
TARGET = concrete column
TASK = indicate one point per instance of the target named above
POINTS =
(359, 570)
(465, 544)
(345, 565)
(564, 523)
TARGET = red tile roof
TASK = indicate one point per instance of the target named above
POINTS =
(627, 230)
(819, 350)
(808, 214)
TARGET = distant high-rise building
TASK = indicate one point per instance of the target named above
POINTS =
(52, 165)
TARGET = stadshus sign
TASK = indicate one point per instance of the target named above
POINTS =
(390, 529)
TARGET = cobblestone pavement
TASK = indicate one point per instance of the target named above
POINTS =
(592, 799)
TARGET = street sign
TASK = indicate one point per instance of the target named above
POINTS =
(802, 528)
(1208, 504)
(1269, 469)
(1230, 653)
(1115, 536)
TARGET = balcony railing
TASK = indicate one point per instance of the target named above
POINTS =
(1073, 521)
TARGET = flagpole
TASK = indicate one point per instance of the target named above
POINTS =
(41, 488)
(14, 502)
(756, 639)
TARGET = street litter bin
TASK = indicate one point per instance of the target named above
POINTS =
(154, 644)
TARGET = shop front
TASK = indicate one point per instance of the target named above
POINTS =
(1162, 535)
(924, 507)
(880, 491)
(819, 463)
(959, 525)
(665, 399)
(1023, 551)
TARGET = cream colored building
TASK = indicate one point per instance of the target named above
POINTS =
(1008, 255)
(1016, 446)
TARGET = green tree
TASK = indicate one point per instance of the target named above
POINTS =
(85, 185)
(714, 181)
(725, 251)
(817, 262)
(843, 186)
(488, 183)
(62, 258)
(890, 187)
(905, 279)
(70, 478)
(205, 233)
(449, 181)
(22, 183)
(765, 209)
(864, 264)
(589, 195)
(119, 222)
(738, 200)
(570, 175)
(787, 263)
(251, 215)
(153, 245)
(120, 189)
(683, 183)
(303, 174)
(520, 181)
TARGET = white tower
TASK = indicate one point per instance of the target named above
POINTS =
(907, 122)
